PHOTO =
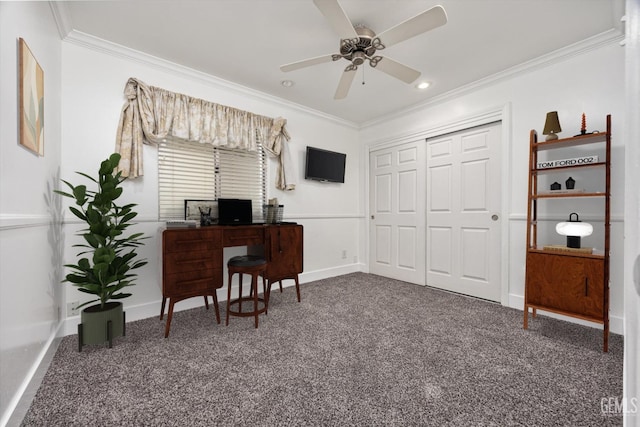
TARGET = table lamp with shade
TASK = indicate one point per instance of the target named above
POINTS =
(574, 229)
(552, 126)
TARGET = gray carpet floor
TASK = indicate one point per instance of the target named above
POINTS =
(359, 350)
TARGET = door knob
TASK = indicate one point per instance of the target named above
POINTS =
(494, 217)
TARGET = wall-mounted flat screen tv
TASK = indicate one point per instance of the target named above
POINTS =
(324, 165)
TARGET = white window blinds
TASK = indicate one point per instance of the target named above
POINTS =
(196, 171)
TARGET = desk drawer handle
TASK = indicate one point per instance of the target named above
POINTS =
(243, 237)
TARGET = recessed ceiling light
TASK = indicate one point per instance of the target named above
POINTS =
(287, 83)
(423, 85)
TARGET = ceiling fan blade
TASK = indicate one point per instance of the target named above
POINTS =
(422, 22)
(345, 84)
(338, 20)
(306, 63)
(397, 70)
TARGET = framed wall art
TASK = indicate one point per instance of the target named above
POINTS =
(31, 94)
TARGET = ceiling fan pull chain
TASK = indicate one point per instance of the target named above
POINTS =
(363, 75)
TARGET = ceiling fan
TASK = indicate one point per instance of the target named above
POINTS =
(359, 44)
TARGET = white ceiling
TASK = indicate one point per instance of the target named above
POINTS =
(246, 41)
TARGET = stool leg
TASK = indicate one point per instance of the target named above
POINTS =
(228, 297)
(240, 293)
(254, 287)
(265, 294)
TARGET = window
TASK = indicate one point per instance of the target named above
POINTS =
(191, 170)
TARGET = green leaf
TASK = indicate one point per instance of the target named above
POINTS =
(87, 176)
(115, 159)
(80, 193)
(78, 213)
(87, 303)
(62, 193)
(92, 240)
(128, 217)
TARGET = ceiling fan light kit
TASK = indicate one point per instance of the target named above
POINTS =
(359, 44)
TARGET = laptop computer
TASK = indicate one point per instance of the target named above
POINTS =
(235, 212)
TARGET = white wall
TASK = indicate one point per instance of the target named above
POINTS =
(592, 83)
(631, 383)
(30, 240)
(93, 83)
(83, 90)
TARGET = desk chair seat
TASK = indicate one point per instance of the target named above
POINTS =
(255, 266)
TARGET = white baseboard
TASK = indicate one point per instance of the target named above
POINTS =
(21, 401)
(616, 323)
(152, 309)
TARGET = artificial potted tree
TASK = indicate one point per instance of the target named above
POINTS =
(105, 264)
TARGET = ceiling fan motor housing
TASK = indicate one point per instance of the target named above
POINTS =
(357, 50)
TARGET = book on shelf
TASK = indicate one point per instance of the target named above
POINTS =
(563, 248)
(565, 191)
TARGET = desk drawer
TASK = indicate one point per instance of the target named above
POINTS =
(193, 283)
(191, 240)
(243, 236)
(178, 262)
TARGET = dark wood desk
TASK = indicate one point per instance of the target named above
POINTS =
(193, 264)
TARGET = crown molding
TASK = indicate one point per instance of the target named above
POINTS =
(68, 34)
(97, 44)
(61, 16)
(612, 36)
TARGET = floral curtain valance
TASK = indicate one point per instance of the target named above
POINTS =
(151, 115)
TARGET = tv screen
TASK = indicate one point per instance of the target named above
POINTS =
(325, 165)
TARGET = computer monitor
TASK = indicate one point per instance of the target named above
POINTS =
(235, 212)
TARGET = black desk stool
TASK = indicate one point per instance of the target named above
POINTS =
(255, 266)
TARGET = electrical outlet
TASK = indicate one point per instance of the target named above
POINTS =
(344, 254)
(72, 308)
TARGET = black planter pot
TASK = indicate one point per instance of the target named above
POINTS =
(100, 326)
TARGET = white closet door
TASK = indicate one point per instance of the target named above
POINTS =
(463, 207)
(397, 187)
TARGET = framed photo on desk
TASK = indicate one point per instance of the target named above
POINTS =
(194, 208)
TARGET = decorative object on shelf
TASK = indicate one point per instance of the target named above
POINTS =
(272, 213)
(552, 126)
(563, 248)
(574, 229)
(583, 127)
(586, 160)
(555, 186)
(31, 94)
(205, 217)
(112, 255)
(570, 183)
